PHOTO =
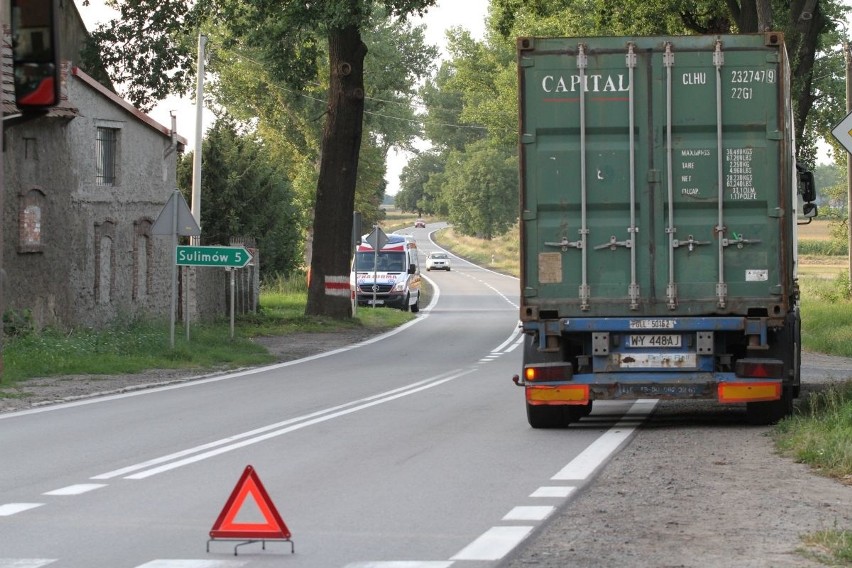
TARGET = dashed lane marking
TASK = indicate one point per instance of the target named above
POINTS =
(529, 513)
(590, 459)
(13, 508)
(400, 564)
(559, 492)
(78, 489)
(494, 544)
(193, 564)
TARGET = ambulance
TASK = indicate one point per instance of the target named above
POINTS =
(389, 277)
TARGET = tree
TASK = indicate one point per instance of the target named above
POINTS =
(412, 195)
(482, 188)
(288, 38)
(809, 26)
(246, 194)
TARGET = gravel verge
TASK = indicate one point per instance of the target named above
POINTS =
(697, 487)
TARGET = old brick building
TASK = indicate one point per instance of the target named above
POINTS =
(83, 186)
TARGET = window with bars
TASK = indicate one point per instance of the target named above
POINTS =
(106, 156)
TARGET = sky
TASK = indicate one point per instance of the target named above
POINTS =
(469, 14)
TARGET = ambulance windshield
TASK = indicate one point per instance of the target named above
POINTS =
(386, 262)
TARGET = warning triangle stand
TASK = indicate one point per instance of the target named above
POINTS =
(229, 527)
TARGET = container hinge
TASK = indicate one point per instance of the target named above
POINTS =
(690, 243)
(633, 294)
(614, 243)
(585, 294)
(722, 294)
(740, 241)
(671, 296)
(564, 244)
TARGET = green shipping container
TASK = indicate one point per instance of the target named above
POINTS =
(657, 177)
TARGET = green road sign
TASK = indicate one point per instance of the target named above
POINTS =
(233, 257)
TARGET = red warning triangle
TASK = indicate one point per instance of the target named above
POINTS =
(226, 526)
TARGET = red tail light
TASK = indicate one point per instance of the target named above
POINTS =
(759, 368)
(544, 372)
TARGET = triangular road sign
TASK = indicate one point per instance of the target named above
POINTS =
(227, 525)
(843, 132)
(165, 223)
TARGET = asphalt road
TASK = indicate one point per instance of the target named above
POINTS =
(412, 451)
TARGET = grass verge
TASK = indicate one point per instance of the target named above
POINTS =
(133, 347)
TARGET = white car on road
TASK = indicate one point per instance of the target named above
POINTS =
(438, 261)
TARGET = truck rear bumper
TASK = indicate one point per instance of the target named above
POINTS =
(722, 387)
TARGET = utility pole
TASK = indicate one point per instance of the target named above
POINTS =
(847, 51)
(196, 157)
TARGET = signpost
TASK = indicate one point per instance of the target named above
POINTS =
(377, 239)
(225, 257)
(843, 133)
(176, 220)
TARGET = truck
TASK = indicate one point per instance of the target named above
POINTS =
(389, 276)
(659, 204)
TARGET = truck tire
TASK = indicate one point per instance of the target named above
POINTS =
(770, 412)
(550, 416)
(556, 416)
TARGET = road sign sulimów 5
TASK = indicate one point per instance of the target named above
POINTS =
(231, 257)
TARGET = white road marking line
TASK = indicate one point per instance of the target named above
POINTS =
(268, 432)
(515, 345)
(10, 509)
(192, 564)
(25, 562)
(511, 338)
(493, 544)
(582, 466)
(399, 564)
(560, 492)
(78, 489)
(527, 513)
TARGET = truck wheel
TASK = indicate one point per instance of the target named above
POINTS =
(770, 412)
(543, 416)
(553, 416)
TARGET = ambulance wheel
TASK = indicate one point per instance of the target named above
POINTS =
(405, 306)
(416, 307)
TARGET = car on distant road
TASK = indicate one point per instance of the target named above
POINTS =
(438, 261)
(420, 224)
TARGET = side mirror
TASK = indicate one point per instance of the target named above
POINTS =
(35, 54)
(412, 268)
(807, 187)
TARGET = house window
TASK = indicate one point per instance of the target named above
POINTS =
(104, 261)
(31, 205)
(143, 258)
(30, 149)
(106, 156)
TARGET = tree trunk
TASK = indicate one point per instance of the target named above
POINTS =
(802, 45)
(328, 291)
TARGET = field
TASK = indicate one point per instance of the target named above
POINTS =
(819, 265)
